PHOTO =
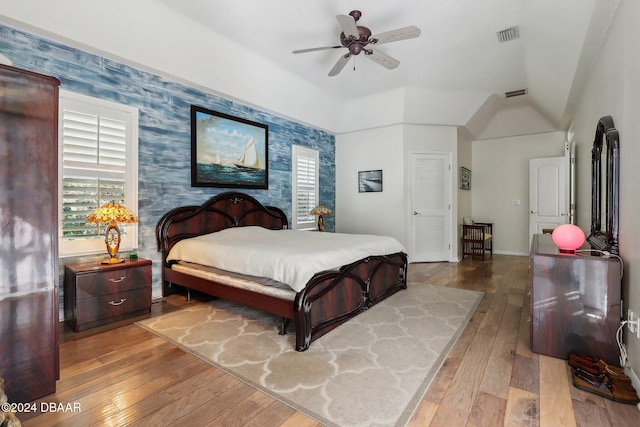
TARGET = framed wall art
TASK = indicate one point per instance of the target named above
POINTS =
(465, 178)
(370, 181)
(228, 151)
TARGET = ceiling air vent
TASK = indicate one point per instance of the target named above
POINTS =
(508, 34)
(515, 93)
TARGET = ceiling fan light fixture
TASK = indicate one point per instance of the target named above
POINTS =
(355, 48)
(355, 38)
(508, 34)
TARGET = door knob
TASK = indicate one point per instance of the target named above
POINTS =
(416, 213)
(533, 211)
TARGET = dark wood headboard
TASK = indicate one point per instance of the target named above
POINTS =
(226, 210)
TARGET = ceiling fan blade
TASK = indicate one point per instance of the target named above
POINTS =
(348, 25)
(342, 61)
(396, 35)
(383, 59)
(313, 49)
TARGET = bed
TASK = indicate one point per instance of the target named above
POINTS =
(329, 298)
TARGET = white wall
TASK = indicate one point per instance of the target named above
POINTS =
(463, 196)
(184, 50)
(499, 175)
(370, 213)
(385, 148)
(613, 89)
(433, 139)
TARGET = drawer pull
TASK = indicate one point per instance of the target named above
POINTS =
(122, 300)
(118, 280)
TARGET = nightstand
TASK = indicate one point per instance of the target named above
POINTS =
(96, 294)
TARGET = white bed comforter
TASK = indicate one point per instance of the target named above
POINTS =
(288, 256)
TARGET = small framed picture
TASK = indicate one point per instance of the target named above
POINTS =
(465, 178)
(370, 181)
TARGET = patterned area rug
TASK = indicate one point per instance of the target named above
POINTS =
(371, 371)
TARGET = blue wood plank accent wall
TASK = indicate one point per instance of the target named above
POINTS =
(164, 130)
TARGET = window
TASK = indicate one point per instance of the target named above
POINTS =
(98, 154)
(305, 186)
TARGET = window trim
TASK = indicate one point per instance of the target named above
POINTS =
(92, 105)
(298, 151)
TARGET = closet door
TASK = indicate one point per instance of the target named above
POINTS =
(28, 234)
(430, 220)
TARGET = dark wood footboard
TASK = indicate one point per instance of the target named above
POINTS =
(333, 297)
(329, 299)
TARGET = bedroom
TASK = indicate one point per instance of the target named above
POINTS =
(610, 91)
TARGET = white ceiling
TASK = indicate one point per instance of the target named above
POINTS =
(458, 50)
(457, 62)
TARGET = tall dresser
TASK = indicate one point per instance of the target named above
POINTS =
(575, 302)
(29, 360)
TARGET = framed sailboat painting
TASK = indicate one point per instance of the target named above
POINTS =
(228, 151)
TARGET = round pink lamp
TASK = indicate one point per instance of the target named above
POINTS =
(568, 238)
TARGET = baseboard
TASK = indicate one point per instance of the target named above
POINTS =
(634, 380)
(510, 253)
(460, 258)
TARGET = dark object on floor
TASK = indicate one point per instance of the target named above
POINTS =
(605, 388)
(596, 366)
(595, 376)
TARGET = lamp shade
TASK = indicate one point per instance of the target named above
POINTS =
(568, 237)
(321, 210)
(112, 211)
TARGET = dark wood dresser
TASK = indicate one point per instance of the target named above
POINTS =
(96, 294)
(29, 360)
(575, 302)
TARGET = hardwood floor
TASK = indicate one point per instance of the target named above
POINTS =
(123, 375)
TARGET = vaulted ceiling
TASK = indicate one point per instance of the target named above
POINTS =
(455, 73)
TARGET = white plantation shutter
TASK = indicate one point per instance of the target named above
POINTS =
(94, 144)
(99, 164)
(305, 185)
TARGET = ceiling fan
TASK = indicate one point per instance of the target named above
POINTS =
(357, 38)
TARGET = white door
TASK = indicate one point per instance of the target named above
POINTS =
(430, 204)
(548, 195)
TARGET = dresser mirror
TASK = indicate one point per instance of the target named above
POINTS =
(605, 189)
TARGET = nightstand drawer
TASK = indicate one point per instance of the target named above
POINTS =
(96, 294)
(94, 310)
(109, 282)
